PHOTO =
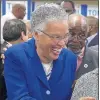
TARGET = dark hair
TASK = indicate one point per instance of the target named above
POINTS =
(12, 29)
(72, 3)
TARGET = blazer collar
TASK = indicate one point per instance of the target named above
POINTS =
(38, 68)
(30, 47)
(35, 62)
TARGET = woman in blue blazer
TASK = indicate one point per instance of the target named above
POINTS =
(41, 69)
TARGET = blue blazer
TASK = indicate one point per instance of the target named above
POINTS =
(25, 77)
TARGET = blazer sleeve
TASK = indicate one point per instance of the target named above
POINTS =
(15, 79)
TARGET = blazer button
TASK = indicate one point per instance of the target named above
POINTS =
(48, 92)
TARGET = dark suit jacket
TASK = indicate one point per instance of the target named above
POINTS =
(4, 45)
(94, 41)
(3, 91)
(25, 77)
(89, 63)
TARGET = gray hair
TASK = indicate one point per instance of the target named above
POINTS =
(12, 29)
(45, 13)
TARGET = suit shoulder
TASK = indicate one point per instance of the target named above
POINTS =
(91, 52)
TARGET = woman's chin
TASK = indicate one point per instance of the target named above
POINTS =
(54, 56)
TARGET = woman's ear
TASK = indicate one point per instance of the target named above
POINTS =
(36, 36)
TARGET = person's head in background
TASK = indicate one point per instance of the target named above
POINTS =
(78, 28)
(19, 10)
(68, 6)
(14, 31)
(28, 28)
(93, 25)
(50, 29)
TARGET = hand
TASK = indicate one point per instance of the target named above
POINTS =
(4, 49)
(87, 98)
(2, 57)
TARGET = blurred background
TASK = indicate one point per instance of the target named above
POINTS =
(84, 7)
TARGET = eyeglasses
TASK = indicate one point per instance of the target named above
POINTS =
(81, 35)
(54, 37)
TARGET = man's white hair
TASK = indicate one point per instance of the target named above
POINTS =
(45, 13)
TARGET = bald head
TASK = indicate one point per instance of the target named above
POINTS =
(78, 21)
(19, 10)
(78, 33)
(15, 6)
(92, 20)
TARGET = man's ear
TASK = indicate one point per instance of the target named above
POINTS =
(22, 36)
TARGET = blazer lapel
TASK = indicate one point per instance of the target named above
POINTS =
(85, 65)
(39, 70)
(35, 62)
(57, 71)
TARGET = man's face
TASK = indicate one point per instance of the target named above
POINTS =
(68, 7)
(21, 12)
(52, 40)
(76, 39)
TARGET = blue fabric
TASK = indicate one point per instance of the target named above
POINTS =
(26, 79)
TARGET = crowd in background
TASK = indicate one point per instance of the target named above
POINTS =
(53, 56)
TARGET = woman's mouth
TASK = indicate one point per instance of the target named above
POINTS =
(56, 51)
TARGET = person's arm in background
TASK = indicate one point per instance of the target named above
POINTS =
(15, 79)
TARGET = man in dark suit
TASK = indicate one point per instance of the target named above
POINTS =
(94, 41)
(14, 32)
(41, 69)
(87, 58)
(93, 35)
